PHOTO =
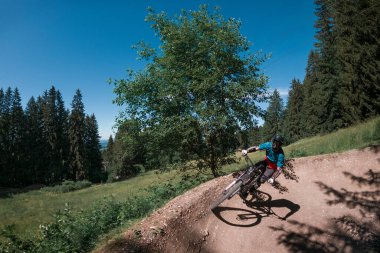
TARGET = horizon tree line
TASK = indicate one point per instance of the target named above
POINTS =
(47, 143)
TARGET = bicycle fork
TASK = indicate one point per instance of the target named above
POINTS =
(229, 186)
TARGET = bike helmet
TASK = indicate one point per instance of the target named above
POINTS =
(278, 138)
(277, 142)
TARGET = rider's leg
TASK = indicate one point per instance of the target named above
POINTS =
(261, 166)
(267, 174)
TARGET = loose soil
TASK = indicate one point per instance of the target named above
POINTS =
(334, 207)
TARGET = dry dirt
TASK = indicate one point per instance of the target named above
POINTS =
(334, 207)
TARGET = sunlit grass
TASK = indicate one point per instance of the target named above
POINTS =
(358, 136)
(28, 210)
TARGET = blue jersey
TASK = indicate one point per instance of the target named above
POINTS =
(277, 158)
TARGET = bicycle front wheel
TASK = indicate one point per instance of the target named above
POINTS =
(227, 194)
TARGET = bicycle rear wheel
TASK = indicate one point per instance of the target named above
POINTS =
(227, 194)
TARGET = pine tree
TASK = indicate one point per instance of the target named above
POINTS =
(18, 173)
(5, 131)
(76, 137)
(110, 144)
(2, 144)
(273, 117)
(92, 148)
(63, 143)
(310, 121)
(108, 155)
(327, 88)
(292, 121)
(52, 133)
(36, 144)
(43, 159)
(358, 33)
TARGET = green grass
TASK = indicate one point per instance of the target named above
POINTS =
(28, 210)
(358, 136)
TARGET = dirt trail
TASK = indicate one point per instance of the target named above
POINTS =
(334, 207)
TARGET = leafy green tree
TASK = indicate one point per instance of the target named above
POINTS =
(76, 136)
(92, 148)
(292, 119)
(200, 90)
(250, 137)
(126, 156)
(274, 117)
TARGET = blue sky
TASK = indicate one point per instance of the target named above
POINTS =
(75, 44)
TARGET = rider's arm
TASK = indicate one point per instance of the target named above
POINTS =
(249, 150)
(277, 172)
(280, 166)
(253, 149)
(275, 175)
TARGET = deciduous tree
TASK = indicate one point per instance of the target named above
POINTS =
(200, 90)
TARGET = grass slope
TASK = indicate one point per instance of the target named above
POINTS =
(359, 136)
(28, 210)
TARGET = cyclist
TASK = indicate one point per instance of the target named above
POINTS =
(273, 162)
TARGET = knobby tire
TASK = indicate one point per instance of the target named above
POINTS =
(228, 194)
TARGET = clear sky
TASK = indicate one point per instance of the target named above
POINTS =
(75, 44)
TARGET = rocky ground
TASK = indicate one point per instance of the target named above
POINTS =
(334, 206)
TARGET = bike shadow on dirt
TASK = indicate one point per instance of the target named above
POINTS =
(259, 206)
(345, 233)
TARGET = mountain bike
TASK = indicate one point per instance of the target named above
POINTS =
(248, 180)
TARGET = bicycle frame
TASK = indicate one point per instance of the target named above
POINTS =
(246, 177)
(243, 183)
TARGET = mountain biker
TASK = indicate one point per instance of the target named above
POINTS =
(273, 162)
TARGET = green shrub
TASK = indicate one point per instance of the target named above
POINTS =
(68, 186)
(13, 243)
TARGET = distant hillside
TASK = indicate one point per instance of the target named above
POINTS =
(103, 144)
